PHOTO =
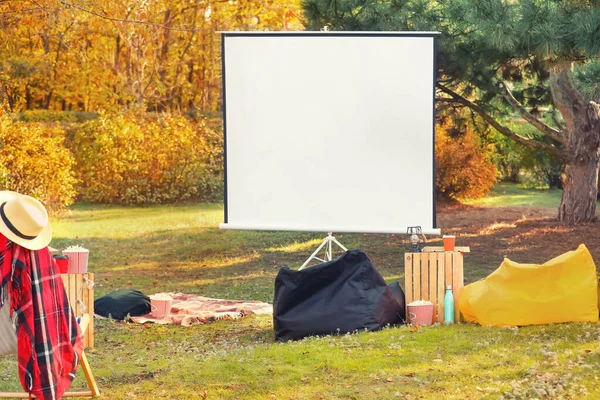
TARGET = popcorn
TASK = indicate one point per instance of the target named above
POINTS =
(420, 303)
(160, 296)
(76, 249)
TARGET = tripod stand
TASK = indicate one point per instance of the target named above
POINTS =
(328, 244)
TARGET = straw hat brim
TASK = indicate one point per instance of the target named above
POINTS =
(39, 242)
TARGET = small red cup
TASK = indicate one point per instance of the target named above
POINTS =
(449, 241)
(63, 263)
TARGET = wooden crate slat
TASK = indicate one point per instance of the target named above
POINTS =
(424, 277)
(448, 260)
(90, 309)
(73, 294)
(408, 277)
(433, 297)
(76, 289)
(441, 269)
(416, 276)
(440, 249)
(457, 281)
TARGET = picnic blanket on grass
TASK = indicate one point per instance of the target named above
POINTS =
(190, 309)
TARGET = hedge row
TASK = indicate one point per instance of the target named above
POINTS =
(121, 159)
(129, 159)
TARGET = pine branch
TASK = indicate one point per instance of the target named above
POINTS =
(553, 133)
(529, 143)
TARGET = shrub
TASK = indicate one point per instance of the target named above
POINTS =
(463, 166)
(519, 164)
(34, 161)
(55, 116)
(144, 160)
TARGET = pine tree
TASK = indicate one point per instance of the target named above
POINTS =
(532, 55)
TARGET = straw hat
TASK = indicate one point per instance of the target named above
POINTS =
(24, 220)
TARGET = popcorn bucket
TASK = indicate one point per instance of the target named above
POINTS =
(78, 259)
(421, 314)
(160, 306)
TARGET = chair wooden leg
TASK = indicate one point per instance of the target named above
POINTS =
(89, 376)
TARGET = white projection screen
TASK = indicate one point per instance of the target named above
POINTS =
(329, 131)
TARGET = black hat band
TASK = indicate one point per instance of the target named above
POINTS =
(11, 227)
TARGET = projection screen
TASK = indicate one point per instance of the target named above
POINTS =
(329, 131)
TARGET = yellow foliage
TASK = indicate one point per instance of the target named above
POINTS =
(463, 166)
(34, 161)
(141, 160)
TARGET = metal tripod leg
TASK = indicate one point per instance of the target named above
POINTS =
(328, 241)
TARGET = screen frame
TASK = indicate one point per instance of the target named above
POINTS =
(230, 34)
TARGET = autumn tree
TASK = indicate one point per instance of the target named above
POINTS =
(539, 57)
(159, 55)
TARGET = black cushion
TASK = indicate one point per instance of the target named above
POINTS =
(122, 303)
(400, 298)
(343, 295)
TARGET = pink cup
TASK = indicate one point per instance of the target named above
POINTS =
(160, 307)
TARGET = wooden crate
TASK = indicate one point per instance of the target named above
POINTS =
(427, 274)
(80, 291)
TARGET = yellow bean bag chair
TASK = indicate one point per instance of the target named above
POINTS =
(564, 289)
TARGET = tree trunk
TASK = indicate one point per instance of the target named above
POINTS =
(28, 98)
(578, 203)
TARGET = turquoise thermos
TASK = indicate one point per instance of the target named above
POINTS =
(449, 306)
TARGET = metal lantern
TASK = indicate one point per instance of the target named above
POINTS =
(416, 237)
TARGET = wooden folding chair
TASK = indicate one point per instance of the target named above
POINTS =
(85, 366)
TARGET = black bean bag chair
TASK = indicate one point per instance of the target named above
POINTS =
(122, 303)
(343, 295)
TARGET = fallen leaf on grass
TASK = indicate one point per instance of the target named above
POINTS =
(389, 380)
(479, 389)
(304, 379)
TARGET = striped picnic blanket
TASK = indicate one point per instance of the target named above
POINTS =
(190, 309)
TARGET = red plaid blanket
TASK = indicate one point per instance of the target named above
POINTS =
(49, 338)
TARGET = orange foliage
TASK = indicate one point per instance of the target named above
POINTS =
(463, 166)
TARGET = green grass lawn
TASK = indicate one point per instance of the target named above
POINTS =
(511, 195)
(180, 248)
